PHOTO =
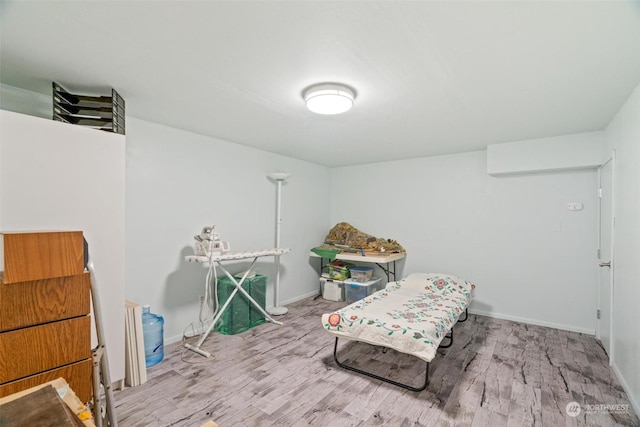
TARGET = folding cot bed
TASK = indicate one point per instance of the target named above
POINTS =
(412, 315)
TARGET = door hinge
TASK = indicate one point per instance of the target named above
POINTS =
(598, 253)
(600, 192)
(598, 313)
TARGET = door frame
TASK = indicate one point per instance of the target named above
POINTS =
(611, 254)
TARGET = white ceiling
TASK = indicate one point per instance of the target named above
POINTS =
(432, 77)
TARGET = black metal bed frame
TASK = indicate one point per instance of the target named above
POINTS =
(389, 380)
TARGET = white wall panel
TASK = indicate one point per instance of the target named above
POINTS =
(56, 176)
(623, 135)
(532, 258)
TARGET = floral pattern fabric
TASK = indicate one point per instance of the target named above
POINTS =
(411, 315)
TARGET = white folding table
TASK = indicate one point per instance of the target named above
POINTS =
(378, 259)
(232, 256)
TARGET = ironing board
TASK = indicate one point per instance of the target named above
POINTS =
(232, 256)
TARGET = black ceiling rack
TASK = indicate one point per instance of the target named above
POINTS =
(98, 112)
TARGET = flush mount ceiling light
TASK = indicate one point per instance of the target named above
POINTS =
(329, 98)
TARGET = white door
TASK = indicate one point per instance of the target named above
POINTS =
(605, 256)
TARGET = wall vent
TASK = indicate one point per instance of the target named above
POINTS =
(98, 112)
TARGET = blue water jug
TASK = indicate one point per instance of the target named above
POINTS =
(153, 331)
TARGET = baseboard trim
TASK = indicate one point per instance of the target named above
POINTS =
(301, 297)
(528, 321)
(634, 403)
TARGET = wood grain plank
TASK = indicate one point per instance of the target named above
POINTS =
(484, 417)
(525, 408)
(496, 394)
(464, 399)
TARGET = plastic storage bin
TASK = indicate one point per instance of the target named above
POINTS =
(241, 315)
(361, 274)
(153, 333)
(332, 290)
(338, 270)
(355, 291)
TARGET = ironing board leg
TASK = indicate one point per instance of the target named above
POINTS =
(378, 377)
(196, 348)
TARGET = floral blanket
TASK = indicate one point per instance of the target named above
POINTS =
(411, 315)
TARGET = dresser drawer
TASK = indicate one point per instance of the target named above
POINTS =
(78, 375)
(34, 302)
(42, 255)
(40, 348)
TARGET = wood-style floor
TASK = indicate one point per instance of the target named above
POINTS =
(497, 373)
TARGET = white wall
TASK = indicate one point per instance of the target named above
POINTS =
(531, 258)
(25, 102)
(623, 135)
(178, 181)
(56, 176)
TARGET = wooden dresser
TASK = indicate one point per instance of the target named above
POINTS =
(45, 323)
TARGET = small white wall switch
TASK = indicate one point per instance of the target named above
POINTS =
(575, 206)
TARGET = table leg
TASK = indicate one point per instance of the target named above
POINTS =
(321, 268)
(388, 271)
